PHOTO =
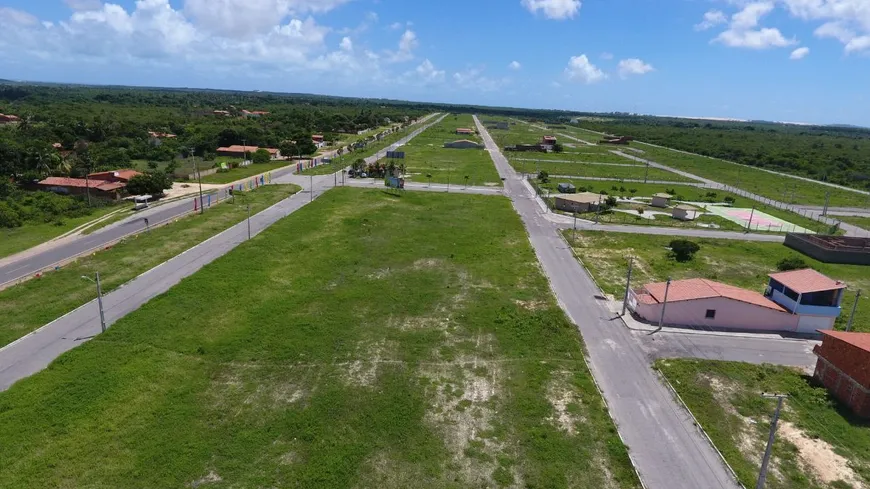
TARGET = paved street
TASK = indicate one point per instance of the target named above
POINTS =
(665, 446)
(37, 350)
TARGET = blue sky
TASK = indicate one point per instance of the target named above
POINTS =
(786, 60)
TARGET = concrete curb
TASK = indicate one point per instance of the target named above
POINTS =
(679, 399)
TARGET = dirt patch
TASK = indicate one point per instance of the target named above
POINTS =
(244, 389)
(363, 371)
(531, 305)
(561, 395)
(210, 478)
(428, 264)
(819, 456)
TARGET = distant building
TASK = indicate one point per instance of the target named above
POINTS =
(106, 185)
(464, 131)
(221, 113)
(254, 114)
(318, 141)
(463, 144)
(7, 118)
(814, 298)
(684, 212)
(831, 249)
(843, 367)
(237, 151)
(566, 188)
(662, 200)
(548, 142)
(623, 140)
(582, 202)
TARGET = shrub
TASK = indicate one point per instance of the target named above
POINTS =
(793, 262)
(729, 199)
(610, 202)
(683, 250)
(543, 177)
(261, 156)
(632, 191)
(614, 188)
(153, 183)
(622, 189)
(9, 217)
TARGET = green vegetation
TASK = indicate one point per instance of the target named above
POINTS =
(591, 170)
(861, 222)
(742, 263)
(241, 173)
(836, 154)
(426, 155)
(819, 443)
(26, 307)
(366, 340)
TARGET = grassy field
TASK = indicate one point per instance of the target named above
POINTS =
(591, 170)
(26, 307)
(778, 187)
(425, 155)
(367, 340)
(861, 222)
(681, 193)
(249, 171)
(741, 263)
(819, 443)
(14, 240)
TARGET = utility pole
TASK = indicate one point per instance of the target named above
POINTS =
(762, 474)
(854, 308)
(749, 224)
(199, 178)
(249, 221)
(646, 174)
(598, 209)
(574, 232)
(147, 227)
(628, 284)
(99, 299)
(827, 201)
(664, 304)
(311, 184)
(245, 149)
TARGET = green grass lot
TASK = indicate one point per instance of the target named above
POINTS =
(819, 443)
(426, 154)
(14, 240)
(596, 171)
(681, 193)
(25, 307)
(367, 340)
(334, 166)
(580, 155)
(777, 187)
(861, 222)
(740, 263)
(240, 173)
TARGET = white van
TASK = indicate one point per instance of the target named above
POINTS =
(141, 202)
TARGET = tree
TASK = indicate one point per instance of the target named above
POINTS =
(793, 262)
(610, 202)
(151, 183)
(683, 250)
(633, 191)
(543, 177)
(557, 148)
(261, 156)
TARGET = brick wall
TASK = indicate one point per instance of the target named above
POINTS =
(852, 360)
(842, 387)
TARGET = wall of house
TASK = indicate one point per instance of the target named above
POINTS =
(843, 387)
(572, 206)
(848, 358)
(730, 314)
(813, 250)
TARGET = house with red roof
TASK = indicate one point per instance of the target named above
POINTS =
(706, 303)
(245, 152)
(8, 118)
(843, 367)
(106, 185)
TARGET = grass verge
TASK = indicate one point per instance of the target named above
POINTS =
(249, 171)
(742, 263)
(32, 304)
(819, 443)
(366, 340)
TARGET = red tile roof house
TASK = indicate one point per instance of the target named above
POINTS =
(106, 185)
(5, 118)
(238, 151)
(463, 130)
(709, 304)
(843, 367)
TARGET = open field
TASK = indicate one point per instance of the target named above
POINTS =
(32, 304)
(248, 171)
(425, 155)
(740, 263)
(14, 240)
(686, 193)
(575, 155)
(777, 187)
(861, 222)
(819, 444)
(367, 340)
(591, 170)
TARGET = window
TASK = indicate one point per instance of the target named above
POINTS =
(711, 313)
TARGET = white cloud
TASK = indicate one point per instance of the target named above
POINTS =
(372, 16)
(742, 32)
(607, 56)
(407, 43)
(427, 73)
(515, 65)
(346, 44)
(847, 21)
(836, 30)
(581, 70)
(553, 9)
(18, 17)
(396, 26)
(246, 18)
(799, 53)
(858, 44)
(633, 66)
(474, 79)
(711, 19)
(84, 4)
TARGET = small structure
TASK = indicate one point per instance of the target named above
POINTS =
(843, 367)
(123, 176)
(582, 202)
(318, 141)
(106, 185)
(831, 249)
(221, 113)
(8, 118)
(810, 296)
(566, 188)
(254, 114)
(156, 138)
(684, 212)
(548, 142)
(662, 200)
(525, 148)
(502, 125)
(244, 152)
(464, 131)
(463, 144)
(620, 140)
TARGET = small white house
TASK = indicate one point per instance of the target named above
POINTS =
(661, 200)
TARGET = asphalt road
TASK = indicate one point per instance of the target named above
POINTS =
(667, 449)
(37, 350)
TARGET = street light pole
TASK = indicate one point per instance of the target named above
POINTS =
(854, 308)
(762, 474)
(664, 304)
(628, 284)
(199, 178)
(99, 299)
(249, 221)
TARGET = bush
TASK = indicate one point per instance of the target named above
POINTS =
(9, 217)
(543, 177)
(793, 262)
(261, 156)
(729, 200)
(683, 250)
(610, 202)
(153, 183)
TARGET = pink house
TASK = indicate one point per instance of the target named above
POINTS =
(704, 303)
